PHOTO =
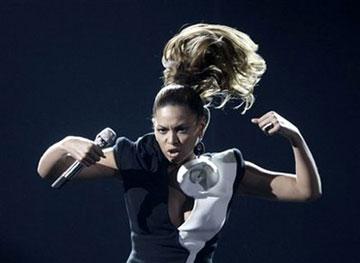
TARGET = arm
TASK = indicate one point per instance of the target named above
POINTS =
(58, 157)
(304, 185)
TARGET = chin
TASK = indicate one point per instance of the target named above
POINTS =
(175, 160)
(179, 159)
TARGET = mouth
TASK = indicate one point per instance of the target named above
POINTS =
(173, 152)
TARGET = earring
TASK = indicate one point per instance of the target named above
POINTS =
(199, 148)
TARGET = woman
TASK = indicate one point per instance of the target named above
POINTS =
(178, 198)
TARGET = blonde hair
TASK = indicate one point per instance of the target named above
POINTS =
(218, 61)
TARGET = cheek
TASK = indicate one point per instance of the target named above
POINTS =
(188, 141)
(159, 140)
(184, 138)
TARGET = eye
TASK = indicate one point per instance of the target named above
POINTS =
(161, 130)
(183, 129)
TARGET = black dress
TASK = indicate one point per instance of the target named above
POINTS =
(155, 239)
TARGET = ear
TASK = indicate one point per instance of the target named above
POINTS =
(202, 127)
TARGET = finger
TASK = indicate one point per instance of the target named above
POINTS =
(255, 120)
(93, 156)
(267, 127)
(274, 129)
(267, 115)
(98, 151)
(265, 122)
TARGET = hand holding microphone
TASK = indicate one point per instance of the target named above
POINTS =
(86, 153)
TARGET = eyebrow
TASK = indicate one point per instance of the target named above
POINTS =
(182, 125)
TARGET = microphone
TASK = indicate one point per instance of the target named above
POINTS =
(105, 138)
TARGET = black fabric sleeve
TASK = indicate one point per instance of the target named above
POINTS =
(240, 169)
(139, 155)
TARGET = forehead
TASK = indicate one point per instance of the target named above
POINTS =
(174, 115)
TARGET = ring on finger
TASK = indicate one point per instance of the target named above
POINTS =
(268, 127)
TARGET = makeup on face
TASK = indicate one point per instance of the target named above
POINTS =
(176, 130)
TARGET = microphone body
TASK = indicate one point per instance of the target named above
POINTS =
(105, 138)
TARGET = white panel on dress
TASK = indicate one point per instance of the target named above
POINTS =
(212, 191)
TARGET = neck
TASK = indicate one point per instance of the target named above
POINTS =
(192, 156)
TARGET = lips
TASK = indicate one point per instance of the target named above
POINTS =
(173, 152)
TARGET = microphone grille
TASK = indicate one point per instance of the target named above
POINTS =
(106, 137)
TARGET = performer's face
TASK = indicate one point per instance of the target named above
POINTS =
(177, 130)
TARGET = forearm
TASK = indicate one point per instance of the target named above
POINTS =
(54, 160)
(307, 177)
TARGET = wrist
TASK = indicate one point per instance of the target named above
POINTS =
(296, 139)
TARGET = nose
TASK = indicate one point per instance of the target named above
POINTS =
(173, 139)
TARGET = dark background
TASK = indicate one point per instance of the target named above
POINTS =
(74, 68)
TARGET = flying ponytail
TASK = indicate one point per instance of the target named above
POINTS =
(219, 62)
